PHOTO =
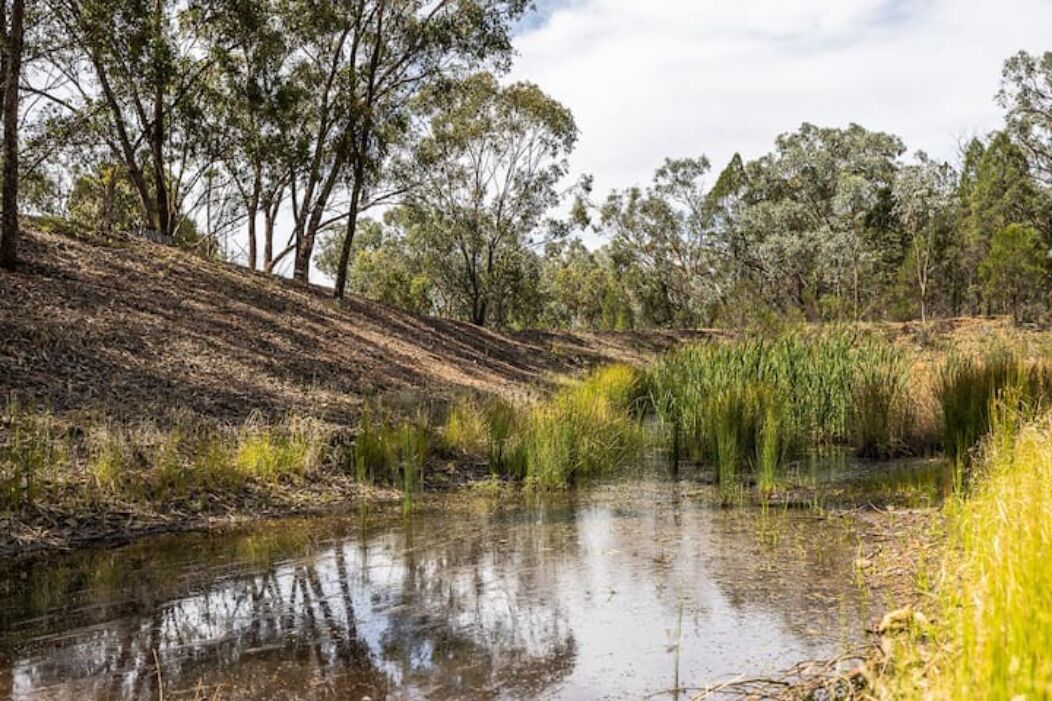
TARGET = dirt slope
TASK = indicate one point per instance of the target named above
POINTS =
(140, 328)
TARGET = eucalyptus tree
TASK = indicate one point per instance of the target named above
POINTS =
(484, 175)
(252, 101)
(382, 267)
(1026, 93)
(361, 63)
(13, 27)
(133, 80)
(667, 230)
(809, 214)
(925, 196)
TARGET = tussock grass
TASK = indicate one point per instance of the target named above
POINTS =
(33, 456)
(992, 637)
(92, 458)
(488, 427)
(392, 451)
(882, 413)
(586, 429)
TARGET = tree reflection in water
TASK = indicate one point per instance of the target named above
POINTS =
(567, 596)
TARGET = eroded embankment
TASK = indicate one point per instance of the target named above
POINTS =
(146, 389)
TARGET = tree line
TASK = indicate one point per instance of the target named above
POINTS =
(377, 141)
(833, 224)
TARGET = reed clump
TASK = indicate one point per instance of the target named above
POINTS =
(750, 406)
(882, 413)
(588, 427)
(969, 386)
(489, 427)
(392, 450)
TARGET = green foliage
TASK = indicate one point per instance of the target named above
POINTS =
(494, 145)
(382, 267)
(1014, 268)
(587, 429)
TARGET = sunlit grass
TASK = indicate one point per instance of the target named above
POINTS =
(585, 430)
(993, 636)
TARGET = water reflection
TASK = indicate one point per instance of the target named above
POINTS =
(572, 597)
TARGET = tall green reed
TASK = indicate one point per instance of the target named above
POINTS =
(750, 406)
(969, 388)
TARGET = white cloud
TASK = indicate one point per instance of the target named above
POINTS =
(658, 78)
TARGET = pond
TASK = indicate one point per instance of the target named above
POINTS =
(617, 591)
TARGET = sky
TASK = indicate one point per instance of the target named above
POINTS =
(651, 79)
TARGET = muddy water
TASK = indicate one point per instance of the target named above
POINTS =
(574, 597)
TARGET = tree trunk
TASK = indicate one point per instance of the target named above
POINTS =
(352, 228)
(12, 72)
(301, 262)
(269, 215)
(165, 220)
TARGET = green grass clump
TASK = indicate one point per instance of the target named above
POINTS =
(467, 427)
(287, 452)
(968, 388)
(33, 451)
(993, 634)
(881, 411)
(488, 427)
(392, 451)
(585, 430)
(111, 458)
(813, 372)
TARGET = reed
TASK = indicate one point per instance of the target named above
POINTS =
(881, 411)
(489, 427)
(392, 450)
(968, 387)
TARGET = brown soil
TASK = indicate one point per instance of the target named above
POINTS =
(134, 328)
